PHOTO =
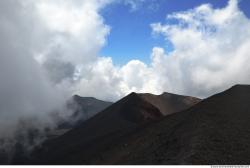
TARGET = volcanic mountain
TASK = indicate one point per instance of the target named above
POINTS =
(82, 108)
(110, 127)
(215, 131)
(134, 131)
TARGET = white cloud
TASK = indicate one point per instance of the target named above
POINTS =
(101, 80)
(77, 31)
(209, 49)
(210, 52)
(209, 55)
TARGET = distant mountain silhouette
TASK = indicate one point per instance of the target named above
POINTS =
(109, 127)
(85, 108)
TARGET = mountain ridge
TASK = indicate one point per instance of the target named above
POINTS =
(114, 123)
(132, 131)
(215, 131)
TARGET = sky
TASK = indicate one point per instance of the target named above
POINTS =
(137, 36)
(51, 50)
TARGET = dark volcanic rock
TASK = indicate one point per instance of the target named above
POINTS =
(20, 149)
(98, 133)
(94, 141)
(169, 103)
(215, 131)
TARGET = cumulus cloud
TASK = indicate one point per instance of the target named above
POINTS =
(102, 80)
(77, 33)
(209, 55)
(210, 49)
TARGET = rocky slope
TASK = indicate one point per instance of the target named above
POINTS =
(87, 143)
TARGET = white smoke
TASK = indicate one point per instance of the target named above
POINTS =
(43, 46)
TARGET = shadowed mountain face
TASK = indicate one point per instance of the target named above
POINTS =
(215, 131)
(84, 108)
(90, 106)
(110, 127)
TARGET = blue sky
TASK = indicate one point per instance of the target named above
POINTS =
(131, 35)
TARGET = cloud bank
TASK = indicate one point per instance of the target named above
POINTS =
(210, 49)
(43, 47)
